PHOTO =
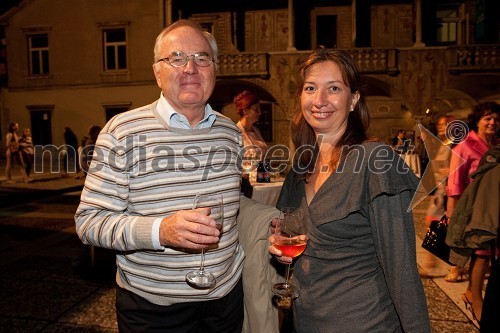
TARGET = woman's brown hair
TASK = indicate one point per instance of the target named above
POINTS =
(357, 122)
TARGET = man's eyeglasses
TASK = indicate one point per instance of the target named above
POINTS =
(180, 59)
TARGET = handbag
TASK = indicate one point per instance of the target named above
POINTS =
(435, 238)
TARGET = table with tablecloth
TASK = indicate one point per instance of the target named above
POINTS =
(413, 161)
(267, 193)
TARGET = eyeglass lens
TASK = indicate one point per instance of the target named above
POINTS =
(179, 59)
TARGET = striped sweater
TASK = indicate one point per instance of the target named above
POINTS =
(142, 170)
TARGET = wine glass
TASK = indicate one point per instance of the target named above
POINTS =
(201, 278)
(290, 240)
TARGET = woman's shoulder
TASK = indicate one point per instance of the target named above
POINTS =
(377, 165)
(370, 152)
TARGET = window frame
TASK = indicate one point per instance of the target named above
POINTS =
(107, 67)
(447, 34)
(41, 53)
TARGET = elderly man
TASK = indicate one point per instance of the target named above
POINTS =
(148, 165)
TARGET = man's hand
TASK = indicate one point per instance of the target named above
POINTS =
(190, 229)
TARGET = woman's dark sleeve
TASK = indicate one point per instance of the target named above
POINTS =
(394, 239)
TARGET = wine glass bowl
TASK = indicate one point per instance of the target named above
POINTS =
(290, 239)
(201, 278)
(291, 247)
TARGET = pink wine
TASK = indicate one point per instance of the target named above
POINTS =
(291, 247)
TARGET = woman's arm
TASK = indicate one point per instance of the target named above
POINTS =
(394, 239)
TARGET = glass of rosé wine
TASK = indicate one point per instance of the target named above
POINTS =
(290, 239)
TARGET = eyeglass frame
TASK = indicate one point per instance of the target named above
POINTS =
(187, 58)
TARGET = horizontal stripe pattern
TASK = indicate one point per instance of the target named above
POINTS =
(142, 170)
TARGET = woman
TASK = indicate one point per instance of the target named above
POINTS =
(248, 108)
(12, 153)
(483, 124)
(439, 152)
(358, 272)
(27, 151)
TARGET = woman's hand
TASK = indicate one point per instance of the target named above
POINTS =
(278, 254)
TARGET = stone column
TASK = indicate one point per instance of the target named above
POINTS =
(291, 27)
(353, 23)
(168, 13)
(418, 24)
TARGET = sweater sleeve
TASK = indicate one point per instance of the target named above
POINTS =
(101, 218)
(394, 239)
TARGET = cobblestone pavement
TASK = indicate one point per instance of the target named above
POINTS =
(50, 284)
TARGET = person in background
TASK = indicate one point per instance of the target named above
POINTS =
(399, 142)
(87, 151)
(439, 150)
(27, 151)
(483, 125)
(358, 272)
(248, 108)
(12, 153)
(71, 142)
(440, 163)
(491, 303)
(137, 200)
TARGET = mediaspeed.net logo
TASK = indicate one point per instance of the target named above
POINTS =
(164, 158)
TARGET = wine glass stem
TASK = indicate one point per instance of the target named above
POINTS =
(287, 275)
(202, 263)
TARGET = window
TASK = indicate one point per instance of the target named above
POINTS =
(447, 28)
(326, 30)
(112, 111)
(115, 49)
(38, 54)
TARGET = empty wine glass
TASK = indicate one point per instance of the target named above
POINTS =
(201, 278)
(291, 241)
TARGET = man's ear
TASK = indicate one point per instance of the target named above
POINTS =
(156, 71)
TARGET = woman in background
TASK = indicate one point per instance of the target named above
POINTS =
(12, 153)
(483, 124)
(439, 152)
(248, 108)
(27, 151)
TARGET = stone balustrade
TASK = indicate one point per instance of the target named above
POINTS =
(369, 60)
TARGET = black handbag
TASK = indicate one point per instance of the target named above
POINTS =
(435, 238)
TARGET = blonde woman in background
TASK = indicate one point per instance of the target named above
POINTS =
(439, 151)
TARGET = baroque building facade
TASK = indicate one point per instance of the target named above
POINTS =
(76, 64)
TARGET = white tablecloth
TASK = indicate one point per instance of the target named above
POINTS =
(267, 193)
(413, 161)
